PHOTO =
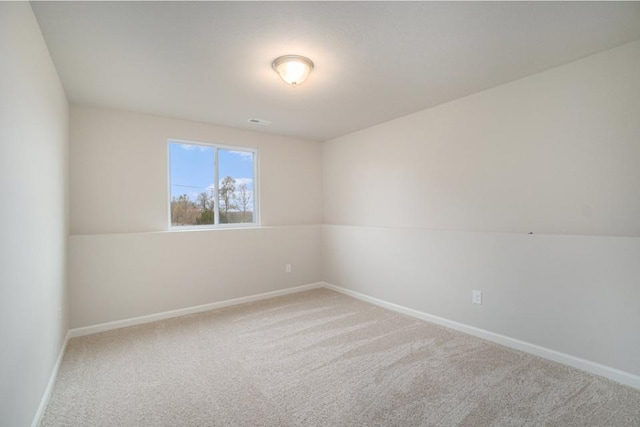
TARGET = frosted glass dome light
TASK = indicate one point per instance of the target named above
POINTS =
(293, 69)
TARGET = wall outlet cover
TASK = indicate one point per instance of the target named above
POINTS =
(476, 297)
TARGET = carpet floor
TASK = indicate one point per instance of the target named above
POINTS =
(320, 358)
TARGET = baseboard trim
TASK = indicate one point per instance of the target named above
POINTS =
(103, 327)
(46, 396)
(617, 375)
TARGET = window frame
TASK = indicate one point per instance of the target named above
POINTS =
(217, 225)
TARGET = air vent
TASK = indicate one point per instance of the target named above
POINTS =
(259, 122)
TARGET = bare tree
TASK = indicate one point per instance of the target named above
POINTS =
(226, 193)
(180, 208)
(206, 206)
(203, 201)
(243, 198)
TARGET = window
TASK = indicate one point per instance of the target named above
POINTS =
(211, 185)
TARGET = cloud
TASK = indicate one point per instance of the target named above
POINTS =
(244, 155)
(189, 147)
(240, 181)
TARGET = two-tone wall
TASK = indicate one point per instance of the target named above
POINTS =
(418, 211)
(422, 210)
(33, 215)
(123, 260)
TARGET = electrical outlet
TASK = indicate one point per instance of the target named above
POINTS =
(476, 297)
(287, 268)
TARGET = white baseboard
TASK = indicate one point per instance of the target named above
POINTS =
(77, 332)
(556, 356)
(52, 380)
(566, 359)
(102, 327)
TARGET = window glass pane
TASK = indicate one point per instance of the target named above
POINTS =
(236, 187)
(192, 180)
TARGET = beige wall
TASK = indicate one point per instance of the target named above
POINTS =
(123, 262)
(33, 212)
(118, 170)
(120, 276)
(555, 154)
(572, 294)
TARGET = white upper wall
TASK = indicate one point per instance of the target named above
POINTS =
(33, 215)
(118, 169)
(119, 184)
(556, 152)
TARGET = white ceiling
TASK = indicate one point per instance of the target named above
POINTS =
(374, 61)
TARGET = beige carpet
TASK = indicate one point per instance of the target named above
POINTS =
(320, 358)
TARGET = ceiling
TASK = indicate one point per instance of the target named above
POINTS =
(374, 61)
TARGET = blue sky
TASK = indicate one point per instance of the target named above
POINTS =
(192, 168)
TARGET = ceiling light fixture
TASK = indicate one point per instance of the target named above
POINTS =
(293, 69)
